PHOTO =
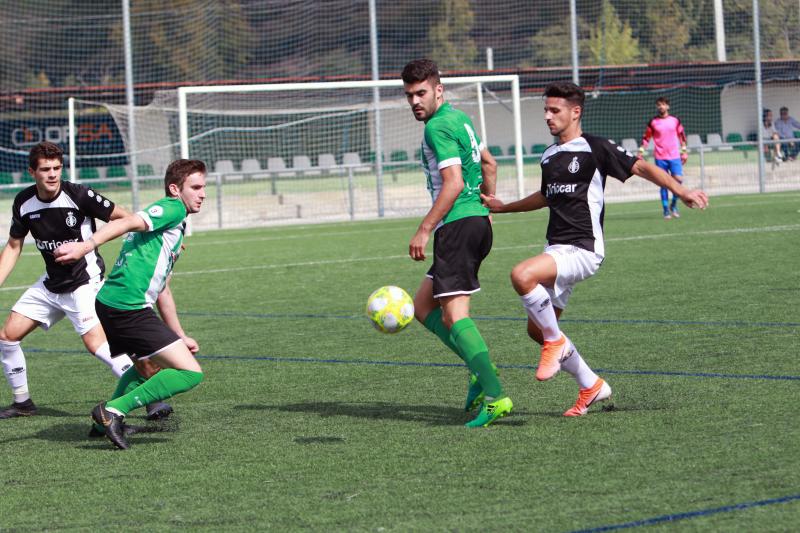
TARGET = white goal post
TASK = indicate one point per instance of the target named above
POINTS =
(478, 81)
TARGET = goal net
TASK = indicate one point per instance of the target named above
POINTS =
(309, 151)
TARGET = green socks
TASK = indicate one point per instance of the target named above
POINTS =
(165, 384)
(470, 344)
(434, 324)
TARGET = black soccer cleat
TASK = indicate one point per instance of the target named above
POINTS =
(115, 427)
(158, 411)
(26, 408)
(127, 430)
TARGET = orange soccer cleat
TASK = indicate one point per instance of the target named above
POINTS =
(596, 393)
(553, 352)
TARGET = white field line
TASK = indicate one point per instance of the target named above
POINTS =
(765, 229)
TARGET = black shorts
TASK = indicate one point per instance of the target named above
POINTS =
(138, 333)
(458, 250)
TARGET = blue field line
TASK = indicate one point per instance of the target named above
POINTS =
(378, 362)
(692, 514)
(647, 322)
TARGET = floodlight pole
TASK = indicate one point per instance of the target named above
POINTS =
(376, 101)
(126, 22)
(759, 95)
(573, 33)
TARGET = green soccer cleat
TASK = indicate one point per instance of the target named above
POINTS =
(490, 412)
(475, 394)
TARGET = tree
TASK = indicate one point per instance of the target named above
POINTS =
(611, 42)
(188, 40)
(451, 45)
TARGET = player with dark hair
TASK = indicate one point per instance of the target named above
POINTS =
(54, 211)
(574, 172)
(138, 281)
(458, 167)
(670, 152)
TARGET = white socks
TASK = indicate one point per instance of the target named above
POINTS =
(540, 310)
(118, 364)
(575, 365)
(15, 370)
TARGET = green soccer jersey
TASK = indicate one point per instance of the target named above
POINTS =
(147, 257)
(450, 139)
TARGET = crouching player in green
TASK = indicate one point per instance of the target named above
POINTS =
(137, 282)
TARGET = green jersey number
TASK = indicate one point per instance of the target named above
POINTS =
(473, 142)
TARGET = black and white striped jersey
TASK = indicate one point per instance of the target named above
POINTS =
(573, 180)
(68, 217)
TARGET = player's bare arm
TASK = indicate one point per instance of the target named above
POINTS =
(694, 198)
(489, 172)
(529, 203)
(118, 212)
(72, 251)
(452, 184)
(169, 314)
(9, 256)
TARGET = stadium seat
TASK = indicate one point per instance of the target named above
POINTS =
(737, 138)
(714, 140)
(796, 134)
(537, 150)
(512, 150)
(630, 145)
(277, 166)
(117, 172)
(225, 168)
(693, 140)
(353, 159)
(327, 163)
(495, 150)
(252, 169)
(398, 156)
(145, 169)
(418, 154)
(302, 163)
(25, 177)
(88, 173)
(6, 177)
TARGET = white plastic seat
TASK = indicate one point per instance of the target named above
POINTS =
(327, 163)
(714, 140)
(278, 166)
(225, 168)
(353, 159)
(252, 168)
(302, 163)
(693, 140)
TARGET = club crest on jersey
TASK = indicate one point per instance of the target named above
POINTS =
(156, 211)
(574, 166)
(71, 219)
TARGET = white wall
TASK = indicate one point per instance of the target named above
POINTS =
(738, 103)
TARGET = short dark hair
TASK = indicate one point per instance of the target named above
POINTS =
(179, 170)
(784, 108)
(566, 90)
(421, 70)
(45, 150)
(764, 114)
(662, 100)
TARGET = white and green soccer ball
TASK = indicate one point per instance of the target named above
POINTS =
(390, 309)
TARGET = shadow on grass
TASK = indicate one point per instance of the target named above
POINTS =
(427, 414)
(78, 433)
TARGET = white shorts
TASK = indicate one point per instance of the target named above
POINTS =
(573, 264)
(47, 308)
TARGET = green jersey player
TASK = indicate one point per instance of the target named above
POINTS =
(138, 281)
(458, 168)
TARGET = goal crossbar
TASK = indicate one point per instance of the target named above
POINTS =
(513, 79)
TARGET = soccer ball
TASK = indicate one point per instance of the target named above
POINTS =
(390, 309)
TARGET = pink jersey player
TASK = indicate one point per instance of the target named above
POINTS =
(668, 137)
